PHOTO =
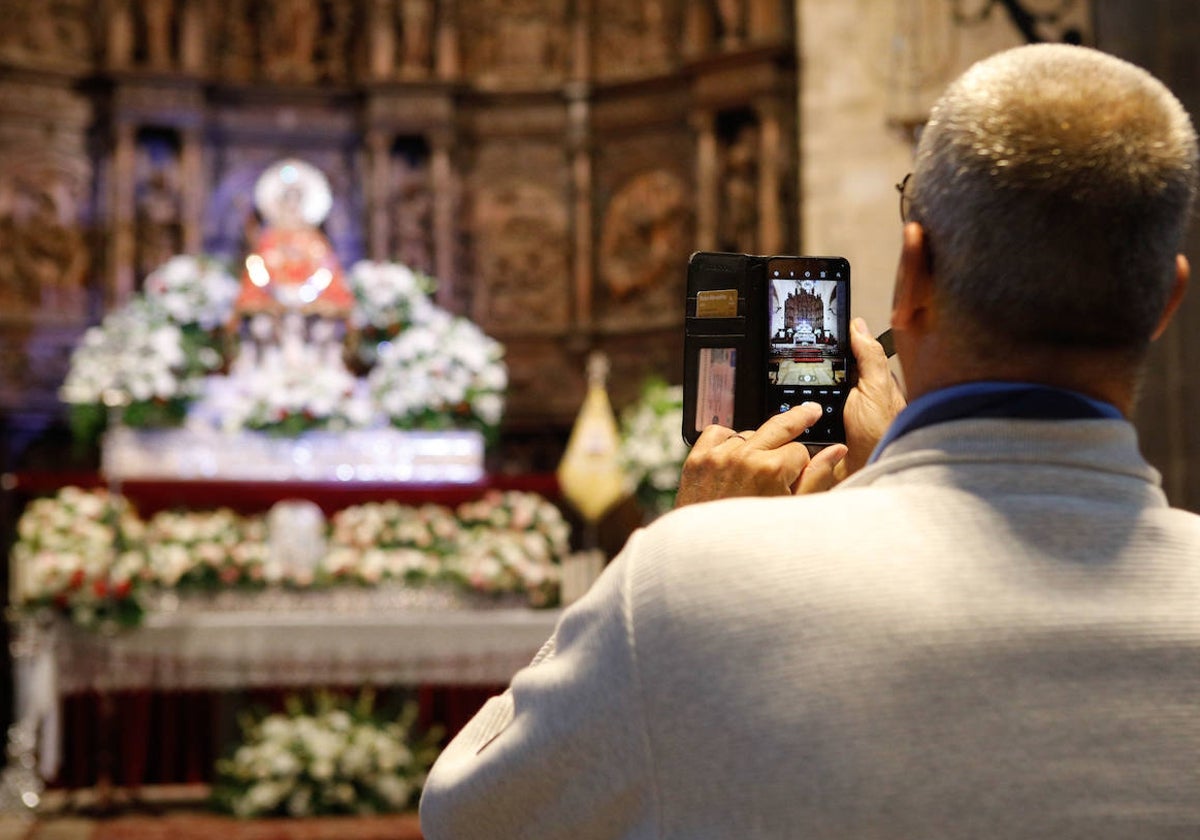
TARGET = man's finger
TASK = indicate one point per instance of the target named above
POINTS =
(786, 426)
(820, 475)
(869, 354)
(713, 435)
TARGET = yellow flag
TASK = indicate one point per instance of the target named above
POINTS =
(590, 473)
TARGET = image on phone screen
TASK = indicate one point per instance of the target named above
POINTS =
(808, 341)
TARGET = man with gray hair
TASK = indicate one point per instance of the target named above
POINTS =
(990, 627)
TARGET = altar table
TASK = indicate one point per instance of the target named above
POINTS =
(191, 649)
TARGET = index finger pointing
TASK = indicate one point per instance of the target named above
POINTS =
(785, 427)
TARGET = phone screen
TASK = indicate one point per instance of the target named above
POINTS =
(808, 340)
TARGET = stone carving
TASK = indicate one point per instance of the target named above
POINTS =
(738, 228)
(522, 257)
(515, 41)
(156, 20)
(635, 37)
(157, 196)
(43, 257)
(333, 45)
(47, 32)
(645, 232)
(416, 30)
(236, 43)
(289, 40)
(731, 15)
(411, 215)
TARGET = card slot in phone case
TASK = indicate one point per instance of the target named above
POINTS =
(700, 327)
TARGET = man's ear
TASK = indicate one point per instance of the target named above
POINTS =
(912, 300)
(1183, 273)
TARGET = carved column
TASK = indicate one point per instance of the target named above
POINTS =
(697, 30)
(764, 21)
(193, 196)
(707, 179)
(581, 59)
(120, 34)
(192, 37)
(442, 183)
(447, 41)
(770, 221)
(579, 145)
(379, 182)
(381, 58)
(579, 148)
(121, 269)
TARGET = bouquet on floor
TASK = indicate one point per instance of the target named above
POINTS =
(330, 757)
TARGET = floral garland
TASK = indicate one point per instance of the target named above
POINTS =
(442, 372)
(390, 297)
(652, 445)
(87, 554)
(333, 758)
(152, 359)
(206, 551)
(76, 553)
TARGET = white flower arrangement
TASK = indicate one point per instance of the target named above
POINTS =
(73, 553)
(206, 550)
(192, 291)
(652, 445)
(336, 758)
(441, 372)
(154, 357)
(513, 542)
(390, 296)
(288, 399)
(72, 556)
(149, 357)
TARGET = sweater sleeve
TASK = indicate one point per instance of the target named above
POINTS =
(563, 753)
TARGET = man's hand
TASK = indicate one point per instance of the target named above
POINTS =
(766, 462)
(872, 404)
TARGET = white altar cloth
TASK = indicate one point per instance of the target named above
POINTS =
(246, 649)
(347, 456)
(226, 650)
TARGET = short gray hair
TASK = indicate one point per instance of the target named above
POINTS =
(1055, 184)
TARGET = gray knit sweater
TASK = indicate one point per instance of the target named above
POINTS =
(993, 632)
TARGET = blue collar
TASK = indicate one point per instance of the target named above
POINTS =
(1017, 400)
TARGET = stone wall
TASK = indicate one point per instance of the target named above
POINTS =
(868, 71)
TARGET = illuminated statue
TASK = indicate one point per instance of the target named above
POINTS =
(293, 292)
(292, 265)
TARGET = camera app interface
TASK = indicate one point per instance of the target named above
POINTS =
(808, 343)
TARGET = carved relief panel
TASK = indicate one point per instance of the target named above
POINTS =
(519, 235)
(49, 33)
(410, 206)
(158, 200)
(515, 43)
(645, 229)
(636, 38)
(738, 183)
(289, 41)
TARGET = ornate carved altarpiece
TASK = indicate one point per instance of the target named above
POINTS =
(551, 162)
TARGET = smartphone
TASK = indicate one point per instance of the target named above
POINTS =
(763, 334)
